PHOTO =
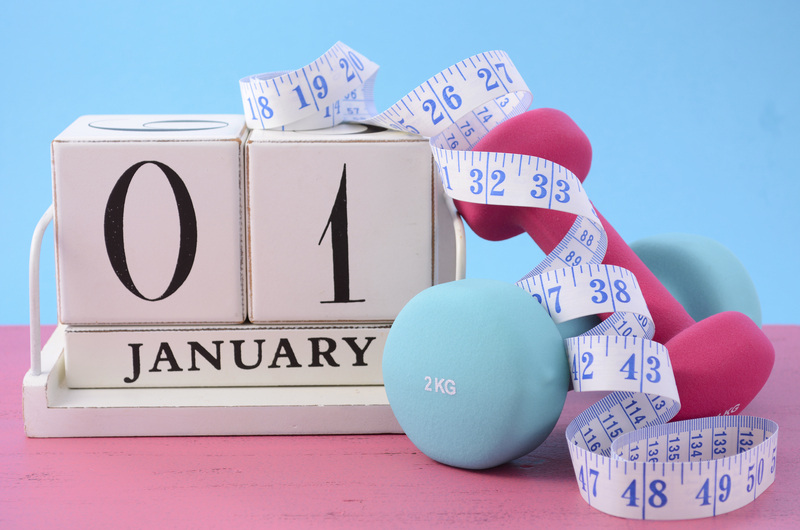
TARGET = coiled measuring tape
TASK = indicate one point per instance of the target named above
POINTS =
(628, 460)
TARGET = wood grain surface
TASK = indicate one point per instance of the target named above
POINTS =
(376, 481)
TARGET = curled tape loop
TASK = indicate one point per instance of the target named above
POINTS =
(336, 86)
(628, 460)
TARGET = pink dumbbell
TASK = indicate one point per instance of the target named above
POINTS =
(720, 363)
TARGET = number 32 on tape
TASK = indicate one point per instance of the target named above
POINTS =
(628, 460)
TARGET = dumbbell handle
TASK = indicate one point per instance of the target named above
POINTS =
(547, 228)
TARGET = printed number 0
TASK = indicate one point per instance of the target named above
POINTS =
(113, 227)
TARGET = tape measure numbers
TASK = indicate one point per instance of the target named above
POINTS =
(628, 460)
(335, 87)
(684, 470)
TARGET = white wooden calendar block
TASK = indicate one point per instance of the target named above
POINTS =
(224, 356)
(341, 224)
(149, 219)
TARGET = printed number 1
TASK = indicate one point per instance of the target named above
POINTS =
(339, 245)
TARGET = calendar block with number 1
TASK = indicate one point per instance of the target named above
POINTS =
(341, 227)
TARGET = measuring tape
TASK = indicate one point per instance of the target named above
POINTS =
(628, 460)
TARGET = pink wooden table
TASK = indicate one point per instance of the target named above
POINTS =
(332, 481)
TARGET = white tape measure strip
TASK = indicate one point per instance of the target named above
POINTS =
(582, 290)
(314, 96)
(519, 180)
(628, 461)
(626, 365)
(629, 364)
(684, 470)
(485, 88)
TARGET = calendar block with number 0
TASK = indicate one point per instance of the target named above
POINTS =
(149, 220)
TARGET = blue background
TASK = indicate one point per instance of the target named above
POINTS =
(692, 107)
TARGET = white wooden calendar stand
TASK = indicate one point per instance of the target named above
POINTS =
(52, 409)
